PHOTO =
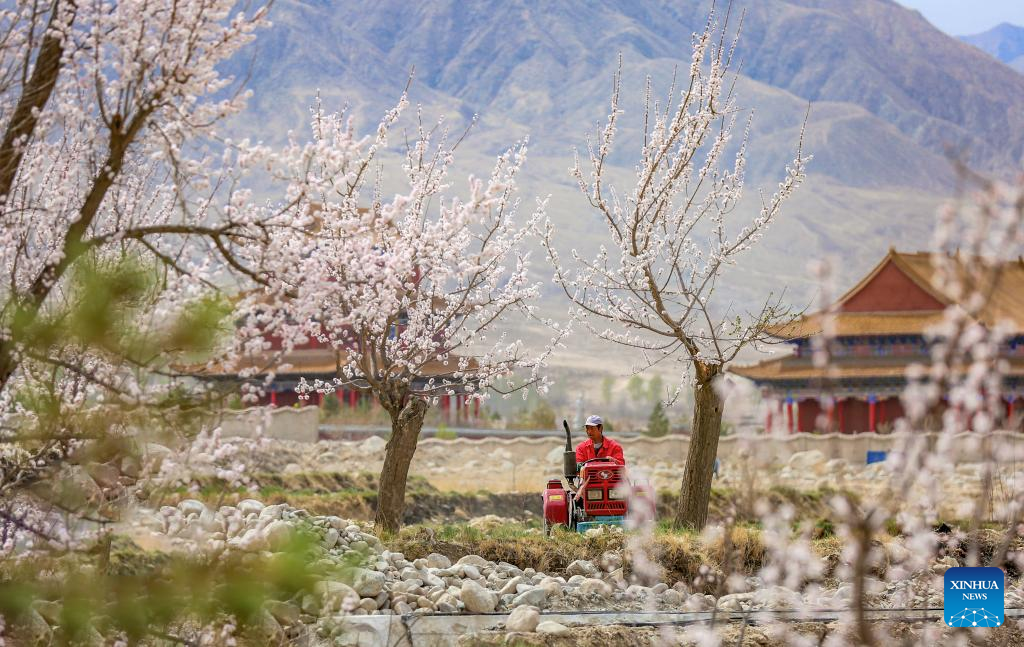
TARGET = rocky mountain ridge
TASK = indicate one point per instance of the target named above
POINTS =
(1005, 42)
(891, 99)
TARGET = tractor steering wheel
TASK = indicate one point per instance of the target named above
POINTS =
(590, 460)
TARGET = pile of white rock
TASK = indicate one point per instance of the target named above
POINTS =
(385, 582)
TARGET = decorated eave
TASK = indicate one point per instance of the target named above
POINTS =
(779, 370)
(310, 363)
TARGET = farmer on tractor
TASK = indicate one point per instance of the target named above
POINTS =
(596, 490)
(597, 446)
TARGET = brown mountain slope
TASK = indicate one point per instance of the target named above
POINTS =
(889, 60)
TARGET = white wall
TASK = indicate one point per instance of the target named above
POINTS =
(285, 423)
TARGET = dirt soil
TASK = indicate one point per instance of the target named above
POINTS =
(736, 635)
(354, 496)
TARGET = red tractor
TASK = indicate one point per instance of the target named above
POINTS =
(606, 493)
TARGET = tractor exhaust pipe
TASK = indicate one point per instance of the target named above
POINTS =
(569, 457)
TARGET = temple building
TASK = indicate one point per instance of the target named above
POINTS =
(879, 329)
(312, 361)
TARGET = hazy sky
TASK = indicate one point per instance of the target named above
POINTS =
(963, 17)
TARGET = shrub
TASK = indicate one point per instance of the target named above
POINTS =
(444, 433)
(824, 528)
(331, 407)
(657, 424)
(540, 416)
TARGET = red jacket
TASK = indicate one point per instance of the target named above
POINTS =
(609, 449)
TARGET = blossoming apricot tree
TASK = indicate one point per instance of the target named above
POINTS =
(107, 195)
(671, 236)
(416, 294)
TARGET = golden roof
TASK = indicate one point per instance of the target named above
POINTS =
(851, 324)
(1003, 282)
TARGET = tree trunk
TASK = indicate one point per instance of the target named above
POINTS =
(692, 509)
(406, 424)
(34, 97)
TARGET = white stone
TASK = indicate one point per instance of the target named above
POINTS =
(593, 586)
(844, 592)
(697, 602)
(474, 560)
(331, 538)
(410, 573)
(252, 540)
(216, 546)
(582, 567)
(368, 583)
(402, 608)
(535, 597)
(610, 561)
(552, 586)
(733, 601)
(283, 612)
(523, 618)
(337, 523)
(446, 598)
(943, 564)
(809, 462)
(155, 454)
(372, 445)
(190, 507)
(211, 521)
(552, 628)
(432, 580)
(672, 598)
(476, 598)
(272, 512)
(338, 594)
(278, 535)
(778, 597)
(436, 560)
(836, 466)
(511, 585)
(470, 571)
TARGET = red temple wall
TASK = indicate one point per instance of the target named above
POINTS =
(889, 410)
(807, 416)
(891, 290)
(288, 397)
(856, 416)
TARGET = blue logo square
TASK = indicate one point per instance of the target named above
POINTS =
(974, 596)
